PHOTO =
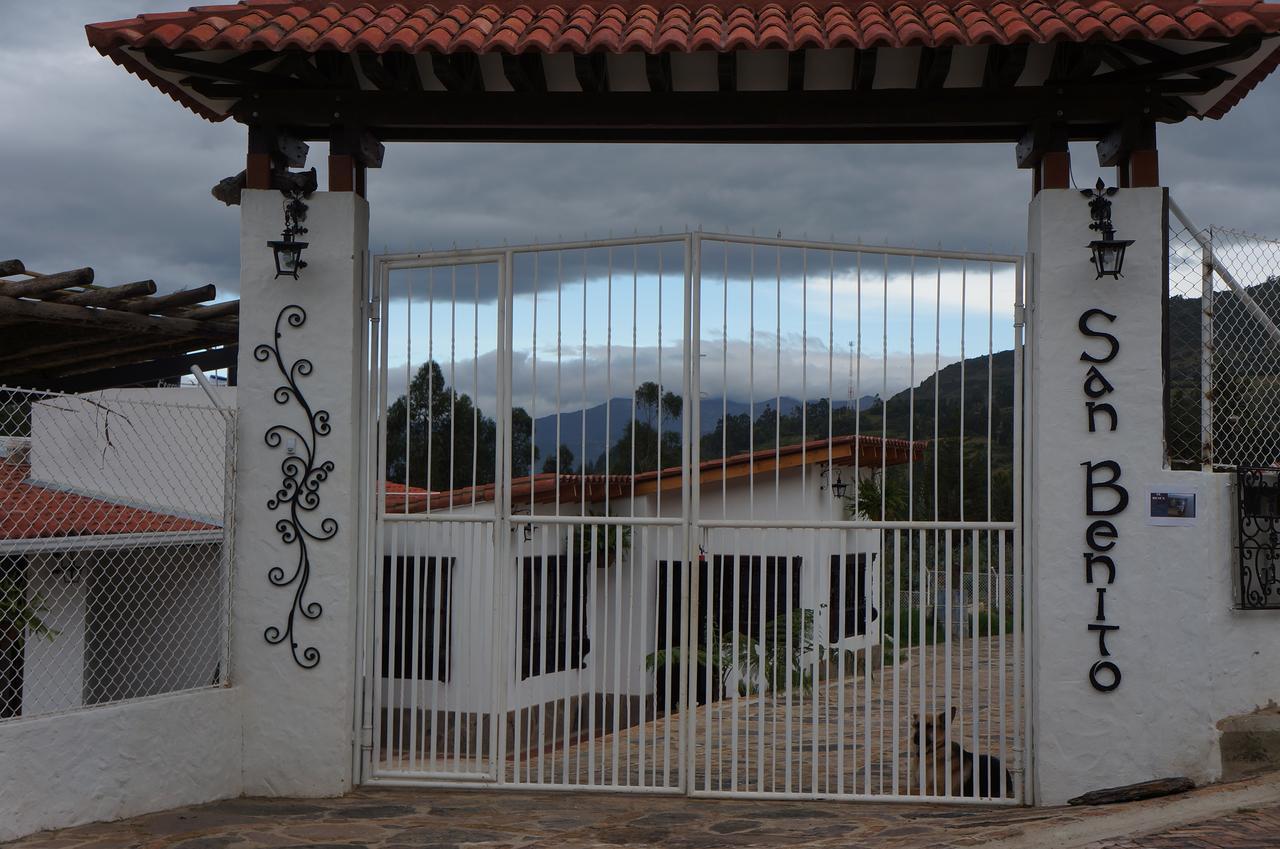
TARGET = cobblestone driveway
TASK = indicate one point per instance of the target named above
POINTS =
(394, 818)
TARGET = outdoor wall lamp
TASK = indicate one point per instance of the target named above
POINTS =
(838, 488)
(1108, 252)
(288, 250)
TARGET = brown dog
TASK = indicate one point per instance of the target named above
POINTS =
(975, 776)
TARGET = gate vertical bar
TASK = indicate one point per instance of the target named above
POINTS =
(504, 625)
(1022, 743)
(692, 461)
(379, 507)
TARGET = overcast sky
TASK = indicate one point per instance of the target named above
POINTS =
(97, 168)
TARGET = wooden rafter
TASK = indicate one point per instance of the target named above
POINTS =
(61, 331)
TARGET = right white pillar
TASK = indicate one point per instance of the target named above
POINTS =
(1119, 654)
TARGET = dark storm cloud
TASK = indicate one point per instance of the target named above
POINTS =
(102, 170)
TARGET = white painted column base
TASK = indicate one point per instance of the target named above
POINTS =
(1183, 654)
(298, 720)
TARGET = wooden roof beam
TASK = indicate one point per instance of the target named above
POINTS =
(96, 351)
(105, 296)
(149, 371)
(55, 313)
(43, 284)
(222, 310)
(166, 304)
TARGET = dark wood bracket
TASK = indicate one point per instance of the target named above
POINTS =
(351, 152)
(272, 151)
(1131, 149)
(1044, 151)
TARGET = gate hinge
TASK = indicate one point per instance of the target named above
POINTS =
(372, 307)
(366, 738)
(1019, 315)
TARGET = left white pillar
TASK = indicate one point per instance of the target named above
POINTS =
(296, 496)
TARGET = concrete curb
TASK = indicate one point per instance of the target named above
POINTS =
(1128, 821)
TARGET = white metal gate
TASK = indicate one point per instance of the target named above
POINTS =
(697, 513)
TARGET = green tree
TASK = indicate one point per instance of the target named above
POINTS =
(439, 439)
(565, 459)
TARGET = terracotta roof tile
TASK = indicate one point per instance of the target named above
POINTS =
(30, 510)
(516, 26)
(375, 25)
(870, 451)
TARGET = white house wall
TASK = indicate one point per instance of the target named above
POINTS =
(161, 448)
(621, 627)
(127, 623)
(53, 665)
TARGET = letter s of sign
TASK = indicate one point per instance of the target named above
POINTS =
(1083, 324)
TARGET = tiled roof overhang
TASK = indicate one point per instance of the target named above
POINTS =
(867, 452)
(412, 49)
(30, 510)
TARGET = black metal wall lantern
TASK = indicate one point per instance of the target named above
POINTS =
(288, 250)
(839, 487)
(1108, 252)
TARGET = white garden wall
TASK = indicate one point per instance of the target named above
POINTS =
(119, 761)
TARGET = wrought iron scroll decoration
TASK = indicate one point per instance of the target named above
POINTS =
(1258, 536)
(299, 491)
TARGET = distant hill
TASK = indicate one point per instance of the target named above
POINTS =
(614, 417)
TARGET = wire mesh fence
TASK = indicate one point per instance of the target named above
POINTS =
(1223, 364)
(114, 547)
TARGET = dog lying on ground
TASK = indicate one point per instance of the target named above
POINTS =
(974, 776)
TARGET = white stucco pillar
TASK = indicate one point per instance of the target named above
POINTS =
(1170, 583)
(298, 702)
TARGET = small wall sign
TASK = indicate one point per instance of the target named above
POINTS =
(1172, 509)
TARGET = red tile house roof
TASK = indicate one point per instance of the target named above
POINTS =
(546, 487)
(516, 29)
(31, 511)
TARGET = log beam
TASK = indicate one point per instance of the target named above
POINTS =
(148, 372)
(172, 303)
(46, 283)
(65, 314)
(94, 352)
(222, 310)
(105, 296)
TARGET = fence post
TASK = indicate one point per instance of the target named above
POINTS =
(1206, 354)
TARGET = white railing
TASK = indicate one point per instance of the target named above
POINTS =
(566, 428)
(114, 547)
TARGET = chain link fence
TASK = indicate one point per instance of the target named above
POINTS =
(1223, 362)
(115, 541)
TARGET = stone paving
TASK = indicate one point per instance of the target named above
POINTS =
(848, 736)
(451, 819)
(506, 820)
(1247, 828)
